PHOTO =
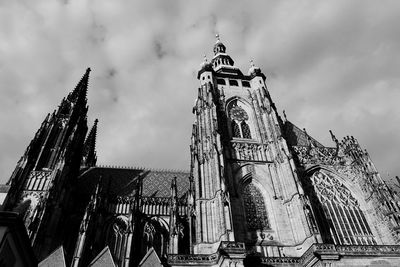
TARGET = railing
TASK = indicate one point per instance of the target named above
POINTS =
(316, 251)
(38, 180)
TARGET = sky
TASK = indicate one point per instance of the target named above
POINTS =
(331, 65)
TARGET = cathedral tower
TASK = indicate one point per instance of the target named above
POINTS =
(40, 186)
(246, 185)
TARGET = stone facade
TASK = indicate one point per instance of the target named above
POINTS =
(260, 191)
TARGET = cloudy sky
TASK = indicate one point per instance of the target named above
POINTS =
(329, 64)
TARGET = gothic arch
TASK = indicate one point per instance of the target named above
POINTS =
(156, 235)
(241, 118)
(117, 232)
(248, 173)
(339, 214)
(255, 208)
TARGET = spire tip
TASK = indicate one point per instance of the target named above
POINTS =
(217, 37)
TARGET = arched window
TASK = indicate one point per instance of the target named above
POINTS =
(221, 81)
(235, 130)
(116, 238)
(339, 212)
(233, 83)
(239, 121)
(245, 130)
(155, 235)
(255, 210)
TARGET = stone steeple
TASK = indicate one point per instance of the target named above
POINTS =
(50, 162)
(89, 151)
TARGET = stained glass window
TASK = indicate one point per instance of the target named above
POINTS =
(347, 222)
(256, 213)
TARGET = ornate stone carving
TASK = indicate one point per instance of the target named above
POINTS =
(249, 151)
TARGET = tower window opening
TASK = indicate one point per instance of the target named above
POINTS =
(233, 83)
(235, 130)
(239, 126)
(245, 130)
(245, 84)
(221, 81)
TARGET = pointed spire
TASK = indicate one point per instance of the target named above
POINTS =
(90, 157)
(284, 115)
(80, 91)
(174, 188)
(334, 139)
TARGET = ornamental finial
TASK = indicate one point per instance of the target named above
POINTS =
(217, 36)
(284, 115)
(205, 58)
(251, 63)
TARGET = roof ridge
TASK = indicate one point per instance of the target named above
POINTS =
(141, 168)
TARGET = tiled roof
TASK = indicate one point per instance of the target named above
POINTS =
(297, 137)
(122, 181)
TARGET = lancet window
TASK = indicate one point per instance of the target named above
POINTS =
(235, 130)
(340, 211)
(239, 121)
(155, 235)
(117, 237)
(255, 210)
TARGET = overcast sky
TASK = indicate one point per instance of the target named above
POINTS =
(329, 64)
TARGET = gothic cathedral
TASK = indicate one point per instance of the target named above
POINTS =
(260, 190)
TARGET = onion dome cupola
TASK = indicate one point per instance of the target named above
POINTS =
(219, 47)
(205, 66)
(221, 61)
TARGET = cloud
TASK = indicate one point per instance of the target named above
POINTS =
(330, 65)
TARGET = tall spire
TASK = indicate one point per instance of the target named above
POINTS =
(80, 91)
(89, 156)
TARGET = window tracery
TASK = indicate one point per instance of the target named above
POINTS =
(235, 129)
(245, 130)
(255, 210)
(239, 121)
(117, 236)
(155, 235)
(345, 219)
